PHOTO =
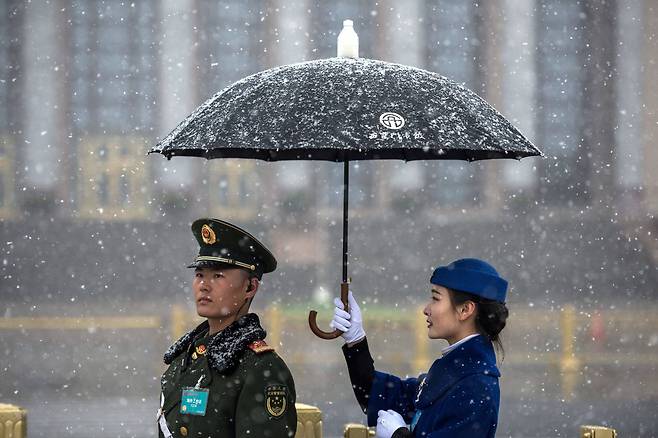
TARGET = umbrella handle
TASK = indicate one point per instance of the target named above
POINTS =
(312, 316)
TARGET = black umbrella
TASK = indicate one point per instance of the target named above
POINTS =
(343, 109)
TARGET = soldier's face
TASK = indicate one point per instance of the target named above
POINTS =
(442, 319)
(220, 293)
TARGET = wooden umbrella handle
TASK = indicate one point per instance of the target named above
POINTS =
(312, 316)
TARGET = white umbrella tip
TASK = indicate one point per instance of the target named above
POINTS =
(348, 41)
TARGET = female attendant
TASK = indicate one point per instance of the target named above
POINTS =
(459, 395)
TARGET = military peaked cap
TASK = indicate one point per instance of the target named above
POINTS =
(224, 244)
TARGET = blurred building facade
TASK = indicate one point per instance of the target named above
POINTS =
(87, 87)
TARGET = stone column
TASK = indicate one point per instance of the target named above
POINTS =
(650, 106)
(629, 172)
(291, 25)
(289, 46)
(518, 85)
(178, 85)
(492, 38)
(400, 32)
(43, 99)
(599, 100)
(402, 40)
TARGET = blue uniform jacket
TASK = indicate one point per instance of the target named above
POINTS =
(458, 397)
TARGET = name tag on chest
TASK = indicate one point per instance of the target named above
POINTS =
(194, 401)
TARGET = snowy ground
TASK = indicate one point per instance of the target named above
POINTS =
(118, 417)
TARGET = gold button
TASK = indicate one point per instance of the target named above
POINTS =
(194, 356)
(183, 431)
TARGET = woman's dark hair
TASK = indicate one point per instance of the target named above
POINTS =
(491, 316)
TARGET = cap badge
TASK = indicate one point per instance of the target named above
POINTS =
(208, 235)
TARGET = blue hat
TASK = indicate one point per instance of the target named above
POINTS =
(474, 276)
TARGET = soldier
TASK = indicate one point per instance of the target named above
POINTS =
(223, 380)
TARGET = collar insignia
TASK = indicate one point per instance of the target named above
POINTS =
(260, 346)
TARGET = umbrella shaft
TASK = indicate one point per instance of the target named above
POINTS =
(346, 182)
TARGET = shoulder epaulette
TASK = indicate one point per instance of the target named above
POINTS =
(260, 347)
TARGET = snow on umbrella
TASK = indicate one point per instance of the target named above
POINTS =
(343, 109)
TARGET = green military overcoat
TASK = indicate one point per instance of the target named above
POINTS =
(250, 391)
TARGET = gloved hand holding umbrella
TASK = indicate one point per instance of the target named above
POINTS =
(349, 323)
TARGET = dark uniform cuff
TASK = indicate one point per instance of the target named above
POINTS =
(402, 432)
(361, 368)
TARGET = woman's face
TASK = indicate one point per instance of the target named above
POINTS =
(442, 319)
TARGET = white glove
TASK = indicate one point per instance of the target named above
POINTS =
(388, 422)
(351, 324)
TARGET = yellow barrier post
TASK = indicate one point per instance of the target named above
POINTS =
(355, 430)
(13, 421)
(79, 323)
(178, 319)
(597, 432)
(309, 421)
(274, 323)
(569, 363)
(421, 356)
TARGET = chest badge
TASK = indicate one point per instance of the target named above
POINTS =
(276, 400)
(194, 401)
(201, 350)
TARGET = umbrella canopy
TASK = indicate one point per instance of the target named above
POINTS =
(342, 109)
